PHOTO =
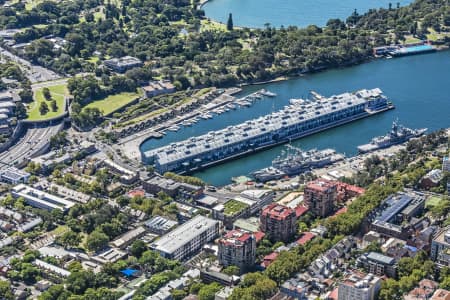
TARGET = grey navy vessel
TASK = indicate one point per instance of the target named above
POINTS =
(295, 161)
(398, 134)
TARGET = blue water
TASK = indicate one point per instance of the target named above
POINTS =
(256, 13)
(419, 86)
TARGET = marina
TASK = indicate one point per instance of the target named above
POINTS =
(414, 93)
(289, 123)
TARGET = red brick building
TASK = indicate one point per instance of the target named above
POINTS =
(237, 248)
(320, 196)
(278, 222)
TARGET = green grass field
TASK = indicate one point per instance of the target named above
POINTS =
(112, 103)
(432, 201)
(57, 92)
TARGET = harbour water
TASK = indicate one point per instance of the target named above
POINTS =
(256, 13)
(417, 85)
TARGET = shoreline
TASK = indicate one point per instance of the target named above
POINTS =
(143, 139)
(202, 3)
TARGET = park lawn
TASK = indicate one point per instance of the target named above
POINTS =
(93, 59)
(433, 35)
(60, 230)
(432, 201)
(113, 103)
(57, 92)
(212, 25)
(409, 39)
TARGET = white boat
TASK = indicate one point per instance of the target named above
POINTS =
(295, 101)
(245, 103)
(267, 93)
(186, 123)
(173, 128)
(231, 106)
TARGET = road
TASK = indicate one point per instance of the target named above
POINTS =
(34, 73)
(39, 85)
(31, 143)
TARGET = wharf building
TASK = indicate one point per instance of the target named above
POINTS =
(393, 217)
(237, 248)
(320, 197)
(278, 222)
(187, 239)
(359, 286)
(292, 122)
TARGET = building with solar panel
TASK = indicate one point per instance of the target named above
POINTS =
(395, 213)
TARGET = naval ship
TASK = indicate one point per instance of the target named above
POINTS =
(398, 134)
(295, 161)
(292, 122)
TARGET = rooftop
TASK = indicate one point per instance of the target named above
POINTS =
(160, 223)
(441, 294)
(257, 194)
(128, 236)
(158, 85)
(37, 198)
(321, 185)
(250, 224)
(434, 175)
(277, 211)
(124, 61)
(394, 204)
(360, 280)
(184, 234)
(52, 268)
(305, 237)
(233, 207)
(236, 237)
(378, 257)
(14, 174)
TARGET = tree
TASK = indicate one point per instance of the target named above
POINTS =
(55, 292)
(208, 292)
(178, 294)
(43, 108)
(46, 93)
(26, 95)
(5, 290)
(231, 270)
(230, 22)
(21, 111)
(137, 248)
(97, 240)
(69, 239)
(53, 105)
